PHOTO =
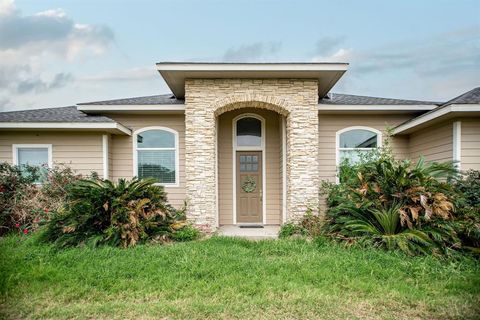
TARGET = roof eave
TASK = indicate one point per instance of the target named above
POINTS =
(112, 127)
(437, 115)
(175, 73)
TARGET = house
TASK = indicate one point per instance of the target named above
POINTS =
(243, 143)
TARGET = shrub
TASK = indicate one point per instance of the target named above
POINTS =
(288, 229)
(186, 233)
(24, 203)
(16, 187)
(119, 214)
(467, 218)
(393, 204)
(310, 225)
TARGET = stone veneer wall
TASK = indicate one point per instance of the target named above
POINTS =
(296, 99)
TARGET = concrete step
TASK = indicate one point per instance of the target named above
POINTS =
(267, 232)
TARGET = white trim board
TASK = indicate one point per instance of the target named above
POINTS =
(194, 66)
(177, 158)
(283, 121)
(66, 125)
(234, 164)
(437, 113)
(105, 159)
(457, 144)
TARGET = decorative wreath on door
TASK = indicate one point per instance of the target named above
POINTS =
(249, 185)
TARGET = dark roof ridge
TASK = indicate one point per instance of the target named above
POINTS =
(469, 97)
(342, 98)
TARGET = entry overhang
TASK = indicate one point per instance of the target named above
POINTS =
(175, 73)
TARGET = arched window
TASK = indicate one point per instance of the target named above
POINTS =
(354, 141)
(156, 155)
(249, 132)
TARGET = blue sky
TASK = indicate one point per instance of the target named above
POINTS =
(58, 53)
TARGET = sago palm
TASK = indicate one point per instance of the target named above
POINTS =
(382, 226)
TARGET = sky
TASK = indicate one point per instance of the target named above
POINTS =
(59, 53)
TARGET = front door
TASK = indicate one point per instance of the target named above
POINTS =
(249, 186)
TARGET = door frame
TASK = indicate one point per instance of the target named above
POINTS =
(234, 164)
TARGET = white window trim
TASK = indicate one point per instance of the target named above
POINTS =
(338, 149)
(234, 160)
(105, 149)
(177, 159)
(15, 148)
(457, 144)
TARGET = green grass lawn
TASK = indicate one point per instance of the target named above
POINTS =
(231, 278)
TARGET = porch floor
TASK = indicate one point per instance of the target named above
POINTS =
(267, 232)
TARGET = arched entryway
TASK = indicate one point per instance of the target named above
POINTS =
(251, 167)
(295, 101)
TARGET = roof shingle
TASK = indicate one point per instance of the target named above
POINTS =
(341, 99)
(148, 100)
(62, 114)
(470, 97)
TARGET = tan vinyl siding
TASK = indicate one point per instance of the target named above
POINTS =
(470, 144)
(331, 123)
(434, 143)
(272, 165)
(80, 151)
(122, 148)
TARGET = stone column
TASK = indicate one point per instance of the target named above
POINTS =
(200, 164)
(302, 162)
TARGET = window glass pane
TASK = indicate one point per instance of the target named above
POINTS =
(358, 139)
(156, 139)
(37, 157)
(158, 164)
(249, 132)
(353, 156)
(33, 156)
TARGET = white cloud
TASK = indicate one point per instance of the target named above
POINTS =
(133, 74)
(31, 44)
(252, 52)
(341, 55)
(439, 67)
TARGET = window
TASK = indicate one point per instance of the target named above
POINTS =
(352, 142)
(249, 132)
(36, 155)
(157, 155)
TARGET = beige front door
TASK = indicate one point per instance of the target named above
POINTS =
(249, 187)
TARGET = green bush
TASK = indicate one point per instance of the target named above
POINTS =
(122, 214)
(467, 217)
(289, 229)
(16, 186)
(24, 203)
(186, 233)
(394, 204)
(310, 225)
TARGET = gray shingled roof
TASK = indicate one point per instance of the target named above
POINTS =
(148, 100)
(470, 97)
(63, 114)
(333, 98)
(338, 98)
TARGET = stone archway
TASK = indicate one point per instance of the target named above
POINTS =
(205, 100)
(237, 101)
